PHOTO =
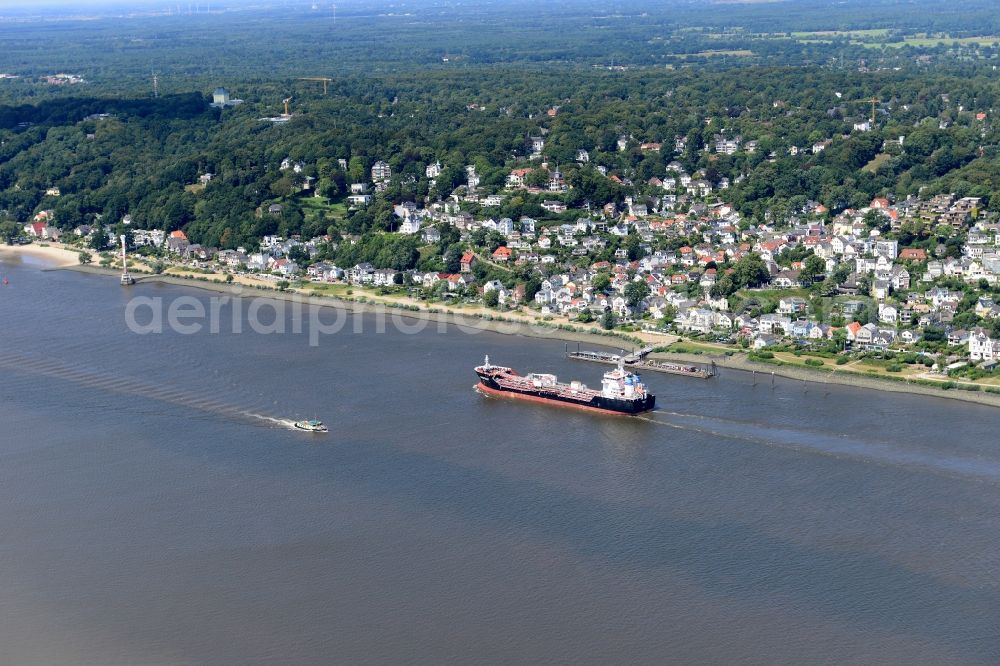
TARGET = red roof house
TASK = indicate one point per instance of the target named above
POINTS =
(501, 254)
(467, 260)
(913, 254)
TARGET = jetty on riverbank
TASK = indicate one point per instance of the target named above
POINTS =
(637, 359)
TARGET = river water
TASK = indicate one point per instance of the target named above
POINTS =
(156, 508)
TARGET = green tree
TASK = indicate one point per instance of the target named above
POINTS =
(669, 315)
(328, 188)
(723, 287)
(537, 177)
(298, 254)
(608, 320)
(812, 268)
(8, 230)
(828, 287)
(633, 245)
(750, 271)
(356, 169)
(934, 334)
(636, 292)
(842, 272)
(491, 298)
(875, 220)
(453, 259)
(99, 238)
(531, 287)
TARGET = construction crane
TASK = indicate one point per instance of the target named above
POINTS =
(285, 102)
(873, 101)
(323, 79)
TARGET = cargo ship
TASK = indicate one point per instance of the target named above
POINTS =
(621, 391)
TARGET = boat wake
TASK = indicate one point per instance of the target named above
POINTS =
(843, 446)
(282, 423)
(202, 402)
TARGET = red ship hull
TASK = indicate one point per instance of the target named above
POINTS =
(486, 390)
(622, 393)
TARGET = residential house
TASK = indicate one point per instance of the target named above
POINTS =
(384, 277)
(888, 314)
(887, 248)
(35, 229)
(786, 279)
(913, 254)
(149, 237)
(958, 337)
(517, 176)
(286, 267)
(982, 347)
(431, 235)
(502, 254)
(770, 324)
(792, 305)
(410, 225)
(381, 171)
(362, 273)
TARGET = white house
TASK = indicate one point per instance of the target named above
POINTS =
(982, 347)
(381, 171)
(410, 225)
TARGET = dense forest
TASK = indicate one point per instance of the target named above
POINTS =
(252, 41)
(443, 89)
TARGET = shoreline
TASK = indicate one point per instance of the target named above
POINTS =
(525, 329)
(504, 324)
(54, 255)
(850, 379)
(512, 325)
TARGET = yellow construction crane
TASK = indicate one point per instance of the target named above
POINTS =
(323, 79)
(285, 102)
(873, 101)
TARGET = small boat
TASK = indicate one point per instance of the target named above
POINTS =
(311, 426)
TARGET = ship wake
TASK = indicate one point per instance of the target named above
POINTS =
(182, 397)
(842, 446)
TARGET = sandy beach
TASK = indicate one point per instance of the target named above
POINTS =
(44, 256)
